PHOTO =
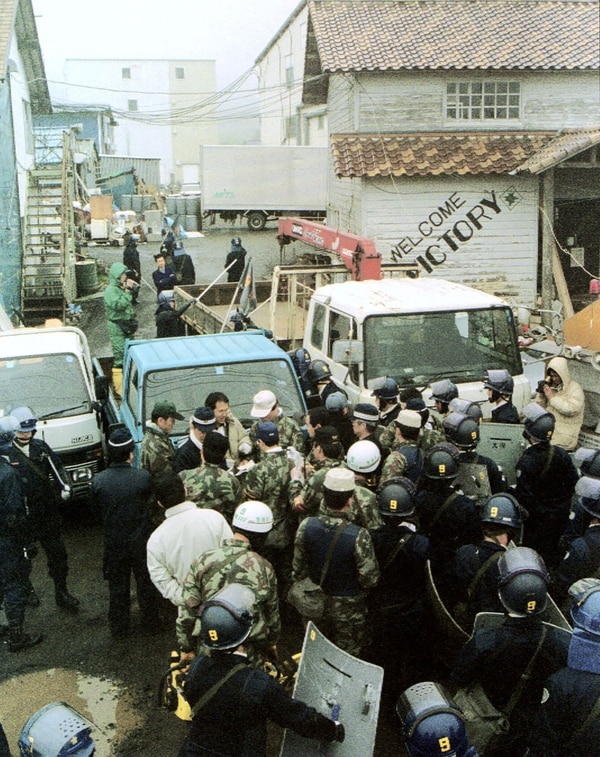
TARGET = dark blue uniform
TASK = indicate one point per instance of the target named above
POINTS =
(497, 658)
(546, 479)
(506, 413)
(14, 534)
(123, 495)
(42, 492)
(581, 561)
(234, 720)
(187, 457)
(479, 589)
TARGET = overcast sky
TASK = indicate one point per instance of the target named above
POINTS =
(232, 32)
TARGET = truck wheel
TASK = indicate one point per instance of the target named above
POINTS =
(257, 220)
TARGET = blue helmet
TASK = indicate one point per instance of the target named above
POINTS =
(432, 723)
(26, 418)
(56, 730)
(585, 609)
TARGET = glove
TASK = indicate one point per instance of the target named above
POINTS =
(65, 494)
(340, 731)
(245, 448)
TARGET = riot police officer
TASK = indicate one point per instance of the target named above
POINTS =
(386, 398)
(442, 393)
(476, 566)
(14, 534)
(546, 479)
(568, 720)
(512, 660)
(232, 702)
(500, 386)
(45, 482)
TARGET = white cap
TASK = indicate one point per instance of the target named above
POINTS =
(264, 402)
(339, 480)
(409, 418)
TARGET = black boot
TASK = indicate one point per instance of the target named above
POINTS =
(65, 600)
(18, 639)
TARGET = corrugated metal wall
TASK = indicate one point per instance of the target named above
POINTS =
(147, 169)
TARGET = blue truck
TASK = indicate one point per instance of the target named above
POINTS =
(184, 370)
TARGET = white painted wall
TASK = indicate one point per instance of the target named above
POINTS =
(480, 231)
(279, 100)
(19, 92)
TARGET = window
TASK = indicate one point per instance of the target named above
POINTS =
(483, 100)
(132, 105)
(292, 127)
(318, 326)
(289, 71)
(180, 73)
(126, 73)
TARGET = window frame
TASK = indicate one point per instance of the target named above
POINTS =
(483, 101)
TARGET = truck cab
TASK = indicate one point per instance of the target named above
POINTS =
(416, 331)
(50, 370)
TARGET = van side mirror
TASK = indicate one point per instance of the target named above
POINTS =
(101, 385)
(348, 352)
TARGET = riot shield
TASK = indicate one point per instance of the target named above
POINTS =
(504, 443)
(340, 687)
(473, 480)
(447, 624)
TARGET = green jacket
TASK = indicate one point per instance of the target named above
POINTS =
(117, 301)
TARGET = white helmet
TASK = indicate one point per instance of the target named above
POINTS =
(363, 456)
(253, 516)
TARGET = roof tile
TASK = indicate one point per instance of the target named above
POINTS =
(381, 35)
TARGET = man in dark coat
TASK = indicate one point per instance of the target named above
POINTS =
(237, 256)
(185, 273)
(123, 496)
(131, 259)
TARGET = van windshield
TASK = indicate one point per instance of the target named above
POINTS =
(189, 387)
(53, 386)
(417, 349)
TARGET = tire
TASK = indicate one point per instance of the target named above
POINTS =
(257, 220)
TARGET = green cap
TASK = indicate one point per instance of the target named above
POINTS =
(166, 410)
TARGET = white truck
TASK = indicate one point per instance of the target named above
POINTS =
(50, 370)
(262, 183)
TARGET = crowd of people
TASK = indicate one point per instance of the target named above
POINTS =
(374, 505)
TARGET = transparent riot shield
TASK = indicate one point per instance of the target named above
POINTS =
(340, 687)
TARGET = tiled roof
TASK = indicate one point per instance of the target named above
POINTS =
(434, 154)
(561, 148)
(383, 35)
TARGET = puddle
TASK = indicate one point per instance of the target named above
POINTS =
(103, 701)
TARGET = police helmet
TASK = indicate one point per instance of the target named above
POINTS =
(363, 456)
(432, 724)
(167, 295)
(226, 618)
(395, 499)
(589, 461)
(386, 389)
(443, 391)
(503, 510)
(26, 418)
(523, 582)
(466, 407)
(8, 426)
(538, 423)
(499, 381)
(441, 461)
(585, 609)
(236, 242)
(253, 516)
(462, 431)
(588, 489)
(57, 730)
(319, 370)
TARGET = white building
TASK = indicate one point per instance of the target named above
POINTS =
(163, 108)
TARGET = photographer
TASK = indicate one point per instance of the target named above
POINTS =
(131, 259)
(120, 323)
(560, 395)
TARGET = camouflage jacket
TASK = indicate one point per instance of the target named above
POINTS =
(210, 486)
(157, 452)
(268, 481)
(364, 554)
(427, 438)
(312, 490)
(395, 465)
(290, 435)
(239, 565)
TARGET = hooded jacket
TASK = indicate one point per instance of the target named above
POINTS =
(117, 301)
(566, 406)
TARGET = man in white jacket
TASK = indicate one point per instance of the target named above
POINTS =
(186, 532)
(563, 397)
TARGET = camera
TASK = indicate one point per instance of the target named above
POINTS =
(134, 286)
(540, 386)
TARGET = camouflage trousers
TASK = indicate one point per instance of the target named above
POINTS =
(344, 623)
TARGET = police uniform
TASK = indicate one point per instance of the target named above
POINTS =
(546, 479)
(476, 570)
(581, 561)
(14, 534)
(505, 413)
(188, 456)
(35, 463)
(234, 721)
